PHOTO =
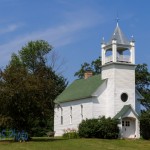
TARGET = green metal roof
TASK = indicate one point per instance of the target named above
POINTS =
(80, 89)
(123, 111)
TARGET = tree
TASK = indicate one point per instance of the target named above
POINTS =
(94, 66)
(142, 81)
(28, 88)
(145, 124)
(142, 76)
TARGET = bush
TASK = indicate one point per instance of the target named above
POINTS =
(105, 128)
(145, 124)
(88, 128)
(70, 134)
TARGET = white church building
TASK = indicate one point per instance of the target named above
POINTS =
(111, 93)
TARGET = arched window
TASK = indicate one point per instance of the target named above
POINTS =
(108, 56)
(70, 115)
(81, 112)
(61, 118)
(123, 55)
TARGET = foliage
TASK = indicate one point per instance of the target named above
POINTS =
(70, 134)
(105, 128)
(94, 66)
(88, 128)
(143, 83)
(145, 124)
(28, 87)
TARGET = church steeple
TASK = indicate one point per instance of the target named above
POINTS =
(119, 49)
(119, 36)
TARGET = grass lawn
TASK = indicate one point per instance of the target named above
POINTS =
(76, 144)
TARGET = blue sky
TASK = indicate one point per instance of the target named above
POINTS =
(73, 27)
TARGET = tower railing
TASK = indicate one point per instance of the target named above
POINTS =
(120, 58)
(108, 59)
(123, 58)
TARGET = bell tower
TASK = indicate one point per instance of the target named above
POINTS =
(115, 50)
(118, 68)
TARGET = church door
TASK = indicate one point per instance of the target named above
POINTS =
(128, 127)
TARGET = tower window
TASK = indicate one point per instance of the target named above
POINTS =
(124, 97)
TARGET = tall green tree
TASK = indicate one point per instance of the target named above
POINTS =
(145, 124)
(28, 88)
(142, 81)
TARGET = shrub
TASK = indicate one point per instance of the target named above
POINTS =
(108, 128)
(70, 134)
(105, 128)
(145, 124)
(88, 128)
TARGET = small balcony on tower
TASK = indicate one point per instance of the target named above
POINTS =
(123, 58)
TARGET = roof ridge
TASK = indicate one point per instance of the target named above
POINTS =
(124, 109)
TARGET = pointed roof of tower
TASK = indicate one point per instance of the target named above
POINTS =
(119, 36)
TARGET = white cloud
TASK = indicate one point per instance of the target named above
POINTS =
(10, 28)
(59, 35)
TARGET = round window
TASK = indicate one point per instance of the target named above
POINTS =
(124, 97)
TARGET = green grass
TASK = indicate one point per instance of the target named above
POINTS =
(76, 144)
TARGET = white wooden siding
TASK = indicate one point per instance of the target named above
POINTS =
(99, 103)
(121, 79)
(76, 115)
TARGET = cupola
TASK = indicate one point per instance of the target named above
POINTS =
(119, 49)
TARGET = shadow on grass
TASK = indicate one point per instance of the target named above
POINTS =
(46, 139)
(35, 139)
(6, 141)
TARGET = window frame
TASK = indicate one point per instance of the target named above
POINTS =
(70, 114)
(81, 112)
(124, 97)
(61, 117)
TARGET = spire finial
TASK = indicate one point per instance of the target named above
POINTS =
(132, 39)
(103, 40)
(117, 19)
